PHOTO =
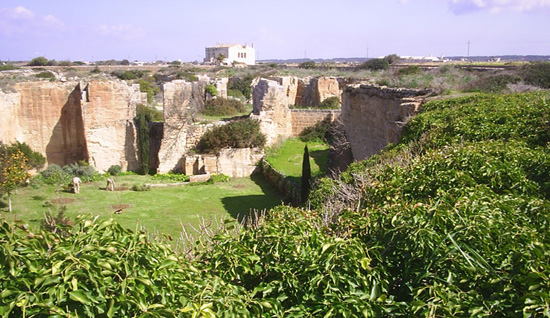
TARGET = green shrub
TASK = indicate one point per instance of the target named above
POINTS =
(409, 70)
(176, 177)
(80, 169)
(223, 107)
(220, 178)
(235, 94)
(307, 65)
(242, 84)
(332, 102)
(318, 132)
(375, 65)
(141, 187)
(45, 74)
(125, 75)
(188, 76)
(537, 74)
(55, 175)
(149, 87)
(236, 134)
(114, 170)
(493, 84)
(7, 67)
(34, 159)
(39, 61)
(211, 89)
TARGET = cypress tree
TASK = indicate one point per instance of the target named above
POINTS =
(306, 176)
(143, 138)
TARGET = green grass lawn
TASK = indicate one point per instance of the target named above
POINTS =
(160, 210)
(288, 158)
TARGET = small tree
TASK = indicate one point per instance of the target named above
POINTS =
(375, 65)
(220, 58)
(143, 138)
(39, 61)
(13, 172)
(306, 176)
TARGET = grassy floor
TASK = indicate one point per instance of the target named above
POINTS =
(289, 156)
(160, 210)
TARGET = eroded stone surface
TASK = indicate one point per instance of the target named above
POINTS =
(374, 116)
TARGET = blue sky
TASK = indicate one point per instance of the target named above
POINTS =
(170, 30)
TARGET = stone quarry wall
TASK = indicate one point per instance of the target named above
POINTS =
(72, 121)
(289, 189)
(271, 108)
(181, 101)
(374, 116)
(304, 118)
(236, 163)
(309, 92)
(109, 109)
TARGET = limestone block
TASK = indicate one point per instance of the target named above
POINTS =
(109, 116)
(182, 100)
(238, 163)
(271, 108)
(373, 116)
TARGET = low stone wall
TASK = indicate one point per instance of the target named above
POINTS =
(236, 163)
(290, 190)
(304, 118)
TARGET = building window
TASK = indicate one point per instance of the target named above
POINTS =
(244, 55)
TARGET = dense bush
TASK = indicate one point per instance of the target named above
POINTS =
(493, 84)
(332, 102)
(307, 65)
(99, 269)
(223, 107)
(537, 74)
(54, 174)
(114, 170)
(375, 65)
(211, 90)
(409, 70)
(35, 159)
(149, 87)
(317, 132)
(45, 74)
(39, 61)
(7, 67)
(236, 134)
(242, 84)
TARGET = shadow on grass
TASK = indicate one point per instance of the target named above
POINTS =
(240, 207)
(321, 159)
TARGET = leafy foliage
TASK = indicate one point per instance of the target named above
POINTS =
(236, 134)
(98, 268)
(307, 65)
(39, 61)
(34, 159)
(317, 132)
(211, 89)
(13, 171)
(149, 87)
(242, 84)
(332, 102)
(143, 120)
(305, 187)
(409, 70)
(114, 170)
(375, 65)
(45, 74)
(537, 74)
(493, 84)
(223, 107)
(7, 67)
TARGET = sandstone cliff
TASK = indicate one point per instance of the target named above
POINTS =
(374, 116)
(70, 121)
(182, 100)
(271, 108)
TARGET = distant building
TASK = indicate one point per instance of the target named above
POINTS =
(232, 53)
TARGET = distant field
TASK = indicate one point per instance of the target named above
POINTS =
(288, 158)
(160, 210)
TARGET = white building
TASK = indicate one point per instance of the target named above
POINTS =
(232, 53)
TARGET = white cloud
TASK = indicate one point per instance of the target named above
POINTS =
(462, 6)
(126, 32)
(20, 21)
